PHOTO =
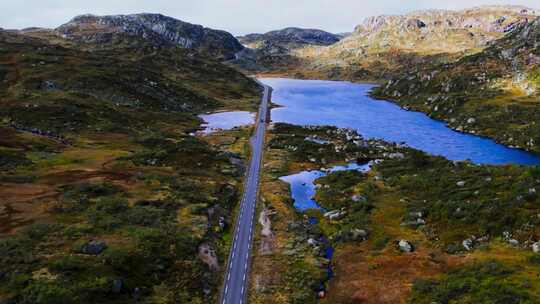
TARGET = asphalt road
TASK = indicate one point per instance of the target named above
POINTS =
(237, 274)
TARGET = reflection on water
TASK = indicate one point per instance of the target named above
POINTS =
(303, 187)
(226, 120)
(347, 105)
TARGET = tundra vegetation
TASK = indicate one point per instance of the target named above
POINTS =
(106, 194)
(415, 228)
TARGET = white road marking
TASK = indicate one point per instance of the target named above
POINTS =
(248, 205)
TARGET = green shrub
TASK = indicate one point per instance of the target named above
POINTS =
(489, 282)
(67, 263)
(42, 292)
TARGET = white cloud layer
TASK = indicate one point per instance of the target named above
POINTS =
(236, 16)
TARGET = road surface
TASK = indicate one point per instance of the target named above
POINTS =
(237, 272)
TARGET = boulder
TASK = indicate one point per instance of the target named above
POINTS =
(335, 214)
(94, 247)
(405, 246)
(359, 198)
(312, 242)
(536, 247)
(468, 244)
(418, 214)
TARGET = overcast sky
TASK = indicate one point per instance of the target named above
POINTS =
(236, 16)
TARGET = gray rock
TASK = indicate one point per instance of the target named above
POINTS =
(418, 214)
(461, 184)
(94, 247)
(468, 244)
(536, 247)
(335, 214)
(405, 246)
(359, 198)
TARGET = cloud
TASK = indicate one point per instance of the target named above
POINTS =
(236, 16)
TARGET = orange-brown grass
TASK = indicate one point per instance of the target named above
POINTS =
(367, 274)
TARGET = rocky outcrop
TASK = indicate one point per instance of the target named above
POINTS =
(157, 29)
(267, 236)
(207, 254)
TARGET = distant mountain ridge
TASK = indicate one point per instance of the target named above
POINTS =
(293, 35)
(155, 28)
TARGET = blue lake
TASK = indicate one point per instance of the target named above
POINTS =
(226, 120)
(348, 105)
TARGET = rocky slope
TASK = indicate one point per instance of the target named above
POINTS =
(493, 93)
(383, 45)
(158, 29)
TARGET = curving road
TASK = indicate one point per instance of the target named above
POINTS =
(237, 273)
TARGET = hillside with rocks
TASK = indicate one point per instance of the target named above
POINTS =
(273, 51)
(158, 29)
(106, 194)
(384, 45)
(494, 93)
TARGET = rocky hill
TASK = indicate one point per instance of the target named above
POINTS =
(384, 44)
(273, 51)
(158, 29)
(291, 36)
(494, 92)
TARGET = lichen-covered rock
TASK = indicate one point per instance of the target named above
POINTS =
(405, 246)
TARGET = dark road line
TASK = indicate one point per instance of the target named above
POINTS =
(237, 272)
